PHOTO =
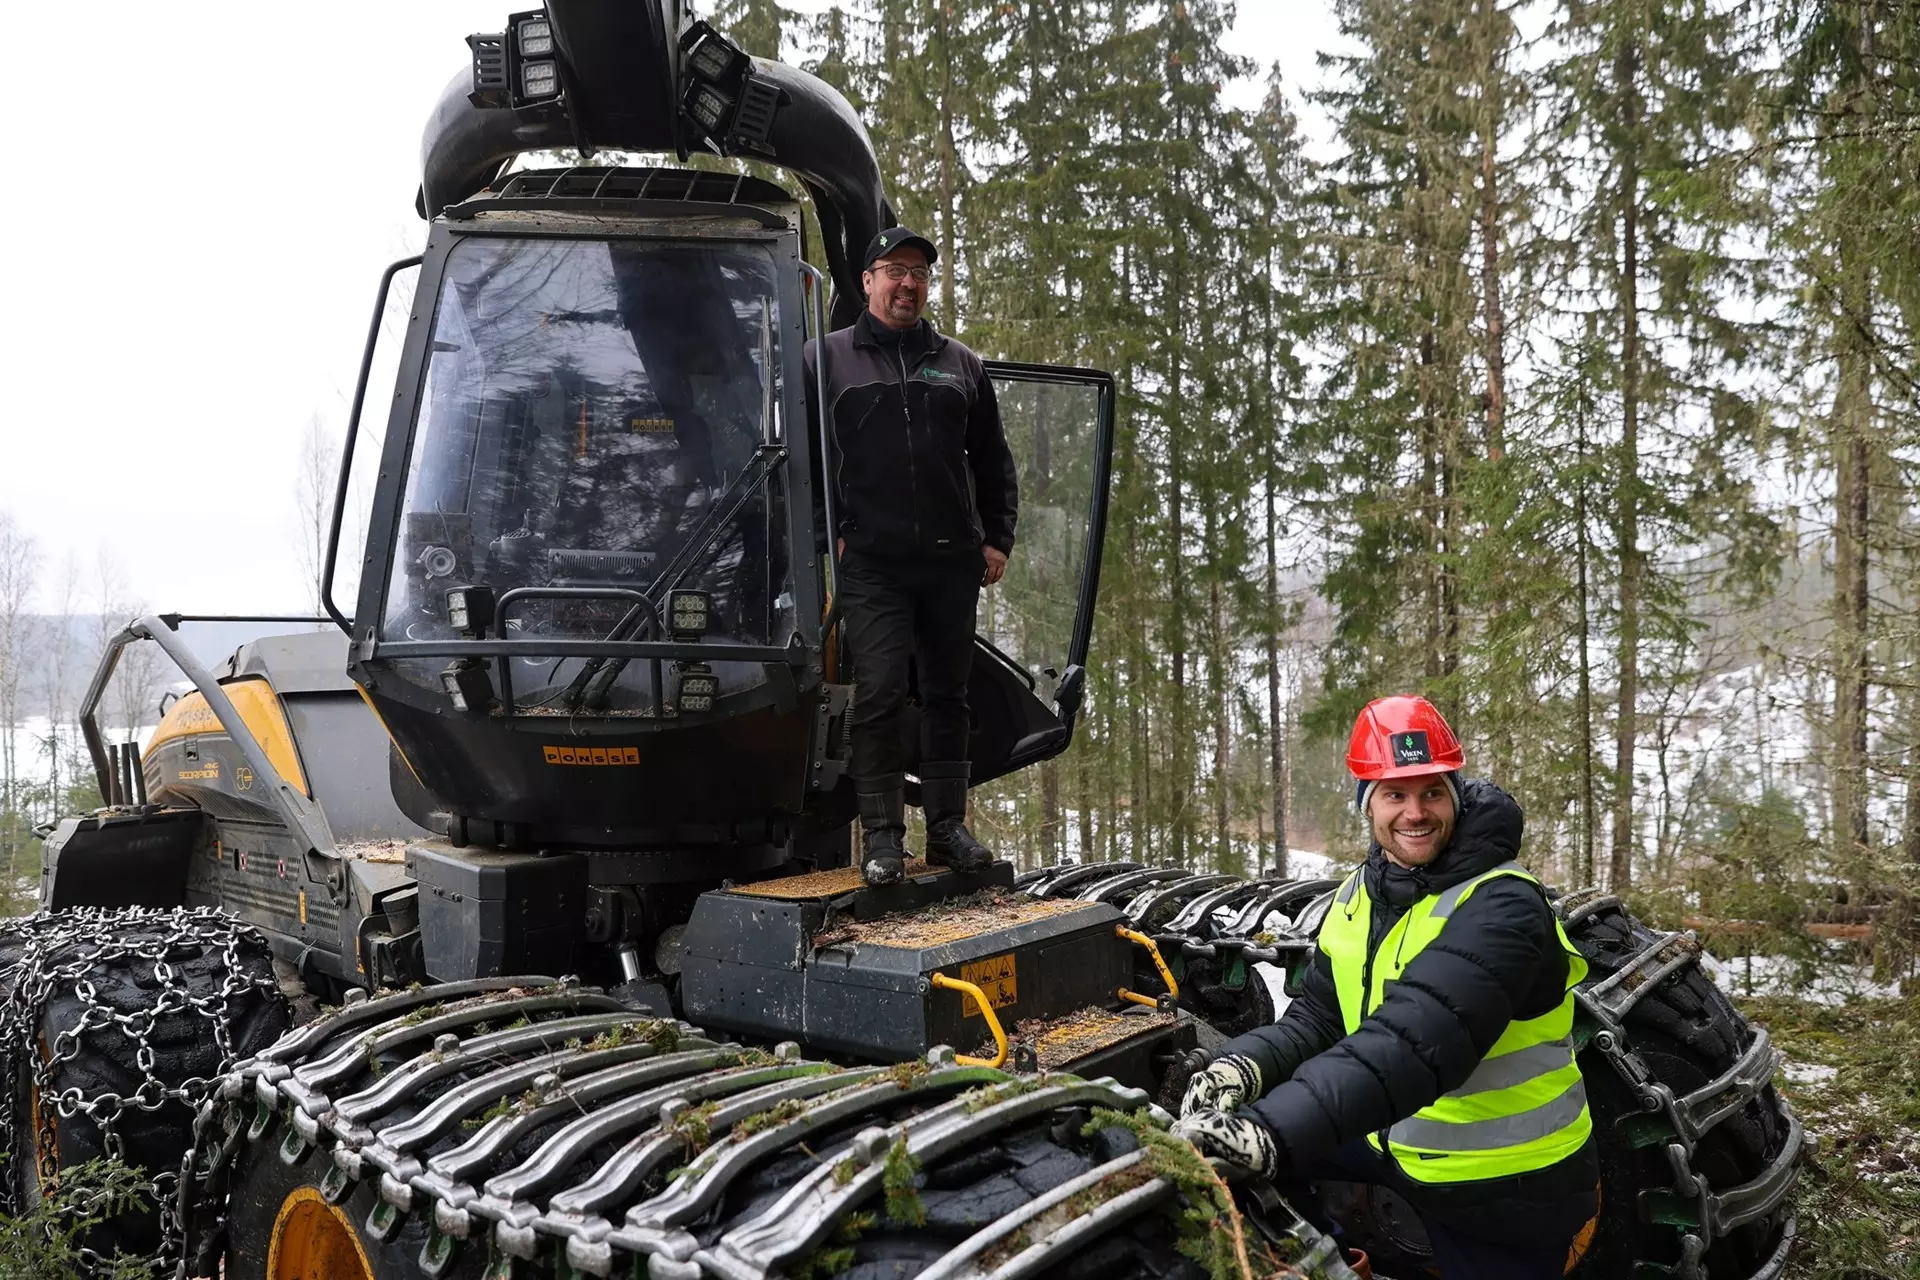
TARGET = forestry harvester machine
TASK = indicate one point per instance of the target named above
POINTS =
(508, 925)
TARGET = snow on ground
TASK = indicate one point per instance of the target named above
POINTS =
(1834, 979)
(1809, 1072)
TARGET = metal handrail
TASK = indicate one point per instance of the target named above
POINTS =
(346, 450)
(818, 292)
(979, 997)
(1153, 949)
(642, 613)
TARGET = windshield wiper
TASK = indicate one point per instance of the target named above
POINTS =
(594, 685)
(591, 688)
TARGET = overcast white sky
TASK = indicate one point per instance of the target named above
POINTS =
(193, 238)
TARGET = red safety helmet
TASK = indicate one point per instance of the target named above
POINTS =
(1402, 737)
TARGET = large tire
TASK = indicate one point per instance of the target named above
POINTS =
(115, 1029)
(1649, 1040)
(1680, 1034)
(709, 1157)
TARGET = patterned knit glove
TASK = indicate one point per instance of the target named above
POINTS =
(1232, 1138)
(1222, 1085)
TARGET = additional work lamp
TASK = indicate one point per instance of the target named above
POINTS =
(689, 614)
(699, 687)
(470, 610)
(468, 686)
(723, 95)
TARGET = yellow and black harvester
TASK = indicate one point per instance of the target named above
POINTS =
(504, 924)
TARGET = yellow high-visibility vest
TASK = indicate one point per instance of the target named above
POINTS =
(1524, 1107)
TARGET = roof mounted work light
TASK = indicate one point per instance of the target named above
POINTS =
(532, 62)
(535, 36)
(713, 57)
(519, 67)
(539, 80)
(732, 106)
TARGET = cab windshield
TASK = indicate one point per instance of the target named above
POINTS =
(592, 419)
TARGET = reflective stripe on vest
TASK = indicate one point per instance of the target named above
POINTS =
(1524, 1107)
(1501, 1131)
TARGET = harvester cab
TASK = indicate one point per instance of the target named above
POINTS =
(596, 610)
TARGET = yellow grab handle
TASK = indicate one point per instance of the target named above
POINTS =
(1166, 974)
(1137, 998)
(999, 1059)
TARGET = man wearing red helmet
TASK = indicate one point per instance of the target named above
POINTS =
(1430, 1049)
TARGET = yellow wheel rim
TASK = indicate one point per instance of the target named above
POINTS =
(313, 1240)
(1583, 1242)
(46, 1144)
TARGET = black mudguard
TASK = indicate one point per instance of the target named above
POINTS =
(122, 859)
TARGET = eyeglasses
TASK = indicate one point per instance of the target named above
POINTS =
(897, 272)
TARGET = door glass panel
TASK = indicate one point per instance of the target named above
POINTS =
(1054, 431)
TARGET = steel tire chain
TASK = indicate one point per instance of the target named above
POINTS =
(1606, 1002)
(537, 1208)
(107, 936)
(1203, 934)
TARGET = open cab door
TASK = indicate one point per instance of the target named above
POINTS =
(1034, 627)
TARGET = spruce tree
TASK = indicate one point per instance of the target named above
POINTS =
(1645, 103)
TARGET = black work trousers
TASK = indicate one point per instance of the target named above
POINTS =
(900, 610)
(1499, 1238)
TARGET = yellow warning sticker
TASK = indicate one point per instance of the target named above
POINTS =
(602, 756)
(996, 977)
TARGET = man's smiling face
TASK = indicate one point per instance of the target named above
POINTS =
(898, 302)
(1412, 818)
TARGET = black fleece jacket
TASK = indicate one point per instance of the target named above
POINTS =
(1497, 960)
(920, 463)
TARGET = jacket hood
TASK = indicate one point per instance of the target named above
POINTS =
(1486, 833)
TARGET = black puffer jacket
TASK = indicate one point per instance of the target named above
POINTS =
(1497, 960)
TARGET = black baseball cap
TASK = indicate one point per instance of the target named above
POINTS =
(892, 238)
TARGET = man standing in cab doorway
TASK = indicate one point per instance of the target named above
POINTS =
(926, 500)
(1430, 1050)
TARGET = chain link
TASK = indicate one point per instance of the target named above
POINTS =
(63, 952)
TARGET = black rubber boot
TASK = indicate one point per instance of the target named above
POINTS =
(883, 824)
(943, 794)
